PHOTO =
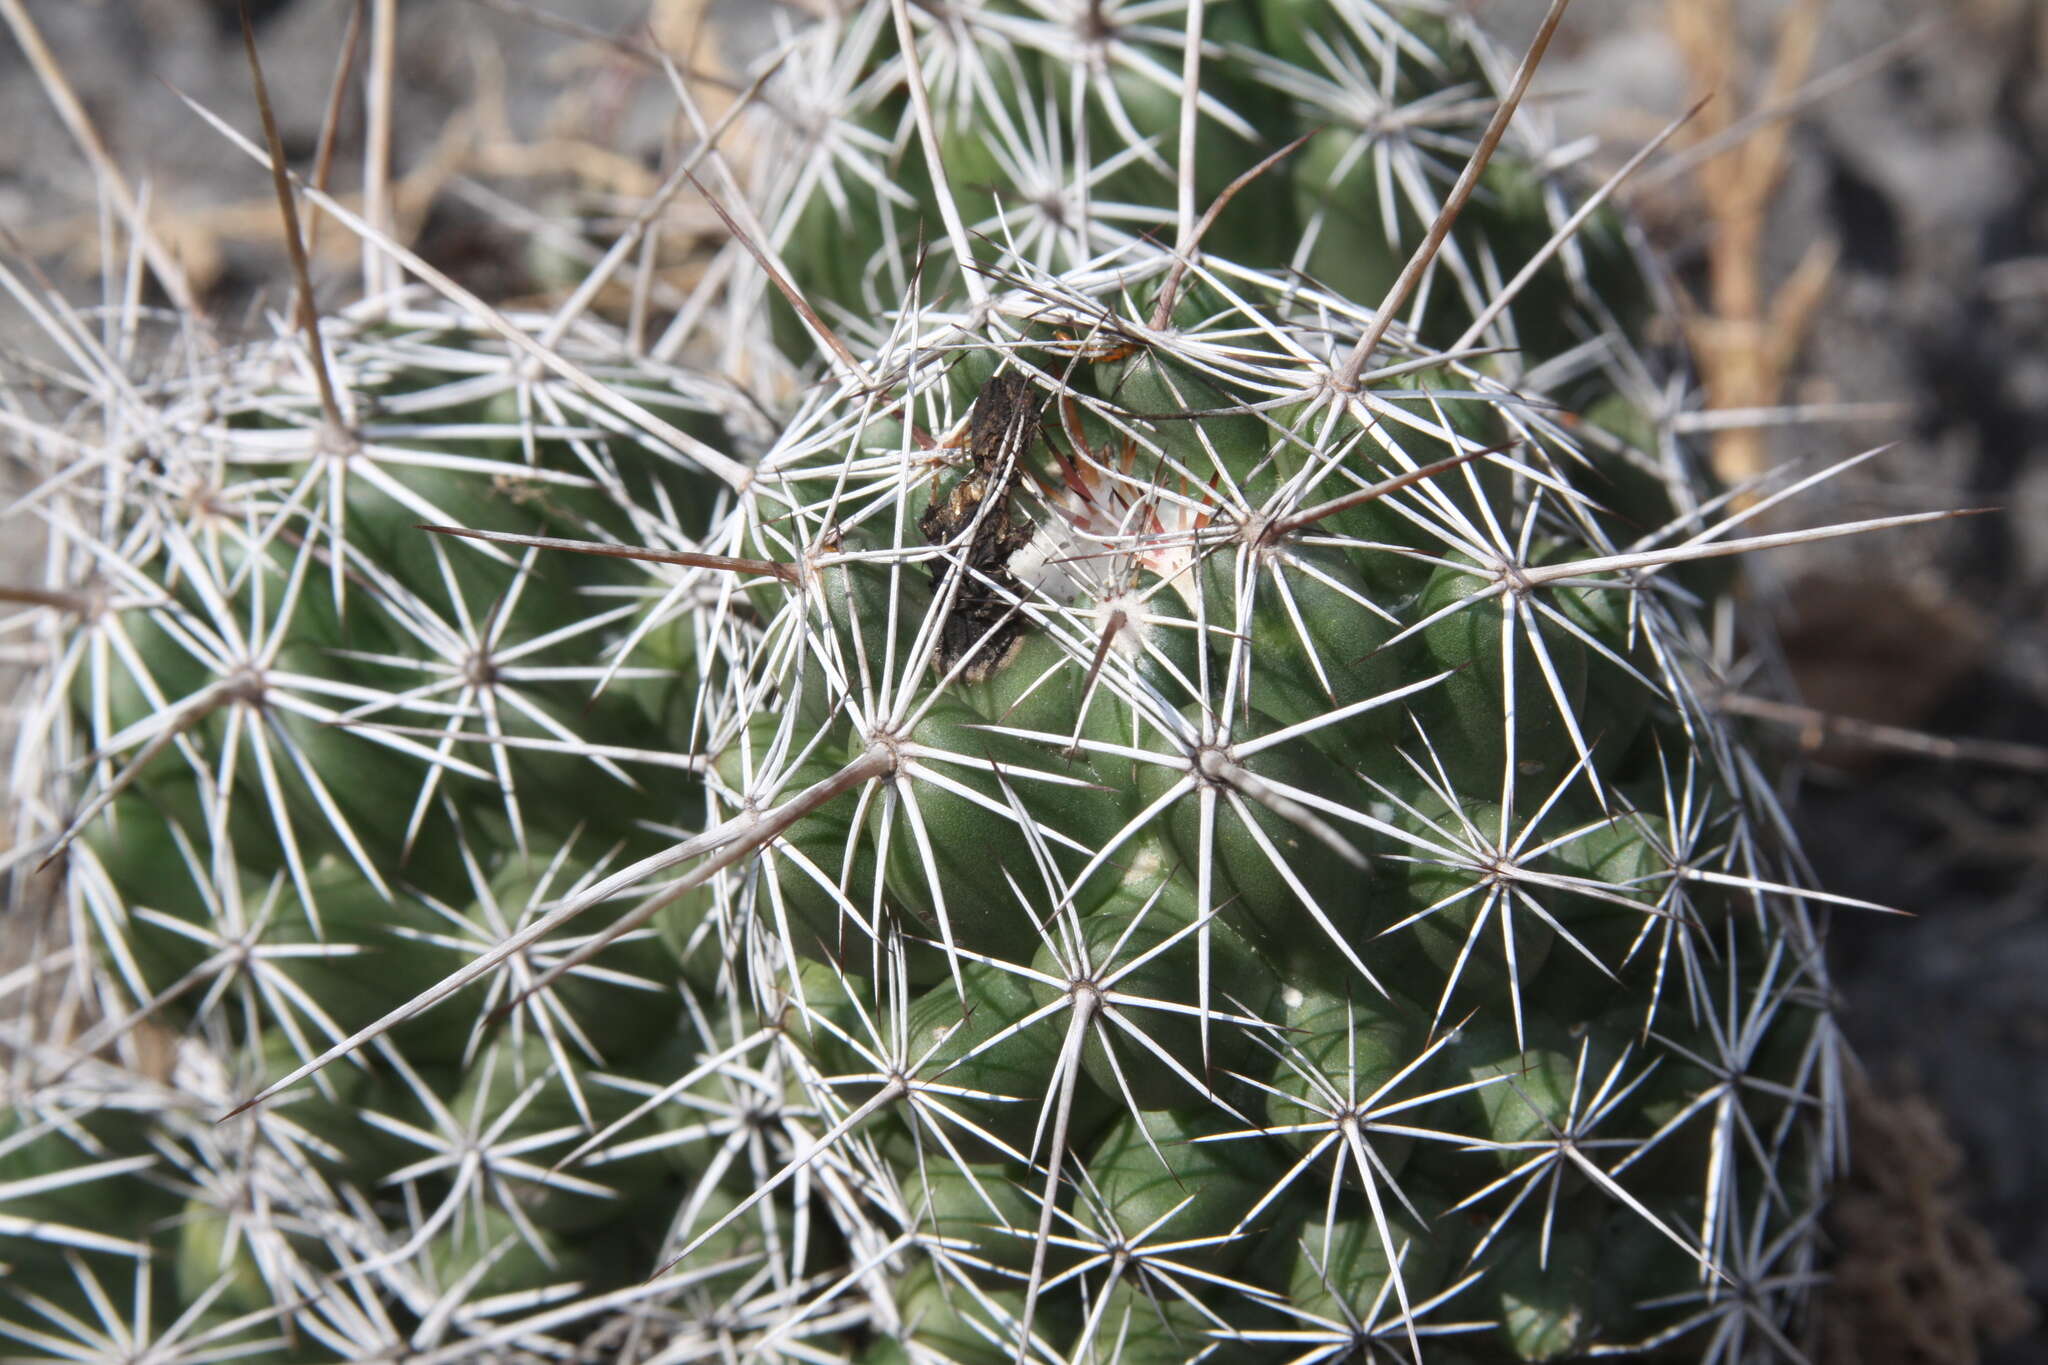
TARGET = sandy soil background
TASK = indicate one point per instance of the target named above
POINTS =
(1891, 267)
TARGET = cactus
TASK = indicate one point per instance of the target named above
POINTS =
(1142, 786)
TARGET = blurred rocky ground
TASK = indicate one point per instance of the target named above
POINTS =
(1923, 188)
(1896, 258)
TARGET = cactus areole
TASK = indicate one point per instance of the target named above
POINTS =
(1134, 779)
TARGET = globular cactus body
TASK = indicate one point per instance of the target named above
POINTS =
(1156, 813)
